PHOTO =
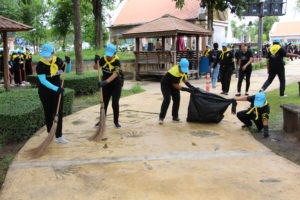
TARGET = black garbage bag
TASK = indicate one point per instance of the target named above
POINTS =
(207, 107)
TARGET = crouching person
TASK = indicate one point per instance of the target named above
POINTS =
(258, 113)
(171, 86)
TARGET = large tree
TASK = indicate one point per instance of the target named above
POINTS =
(77, 37)
(62, 20)
(233, 5)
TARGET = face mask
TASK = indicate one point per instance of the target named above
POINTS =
(48, 58)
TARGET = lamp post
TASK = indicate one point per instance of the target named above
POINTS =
(260, 27)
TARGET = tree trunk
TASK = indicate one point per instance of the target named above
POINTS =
(98, 16)
(64, 44)
(77, 37)
(210, 21)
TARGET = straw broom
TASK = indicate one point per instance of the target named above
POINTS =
(39, 151)
(98, 136)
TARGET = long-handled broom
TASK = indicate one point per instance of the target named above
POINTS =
(38, 151)
(98, 136)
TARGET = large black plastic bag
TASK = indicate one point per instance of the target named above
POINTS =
(207, 107)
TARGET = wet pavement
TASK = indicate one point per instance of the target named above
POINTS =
(147, 161)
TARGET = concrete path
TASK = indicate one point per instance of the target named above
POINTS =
(147, 161)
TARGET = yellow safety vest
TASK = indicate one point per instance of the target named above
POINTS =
(109, 63)
(274, 49)
(223, 53)
(256, 110)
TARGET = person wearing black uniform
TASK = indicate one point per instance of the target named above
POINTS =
(48, 70)
(28, 62)
(245, 68)
(258, 112)
(111, 81)
(171, 86)
(17, 68)
(214, 65)
(275, 65)
(226, 61)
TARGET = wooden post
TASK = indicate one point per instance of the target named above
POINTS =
(137, 65)
(5, 61)
(174, 48)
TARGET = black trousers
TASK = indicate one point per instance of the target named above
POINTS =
(28, 68)
(242, 74)
(112, 90)
(247, 119)
(169, 91)
(281, 76)
(17, 75)
(50, 101)
(225, 75)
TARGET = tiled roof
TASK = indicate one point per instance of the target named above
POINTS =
(142, 11)
(167, 25)
(286, 29)
(12, 26)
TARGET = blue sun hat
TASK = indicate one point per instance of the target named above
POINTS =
(20, 51)
(46, 50)
(15, 51)
(276, 40)
(184, 65)
(260, 99)
(110, 50)
(224, 44)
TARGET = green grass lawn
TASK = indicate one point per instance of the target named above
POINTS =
(89, 55)
(276, 118)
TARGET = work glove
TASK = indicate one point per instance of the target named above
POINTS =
(102, 84)
(185, 89)
(60, 90)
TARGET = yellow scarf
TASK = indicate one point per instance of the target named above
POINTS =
(53, 66)
(256, 110)
(175, 72)
(223, 53)
(207, 52)
(109, 63)
(274, 49)
(27, 55)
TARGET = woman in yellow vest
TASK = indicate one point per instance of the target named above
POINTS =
(171, 86)
(112, 81)
(48, 70)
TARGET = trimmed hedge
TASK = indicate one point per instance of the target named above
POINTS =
(21, 113)
(82, 84)
(2, 90)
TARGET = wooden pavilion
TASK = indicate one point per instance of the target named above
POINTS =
(151, 62)
(8, 25)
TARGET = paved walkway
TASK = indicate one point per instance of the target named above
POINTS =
(147, 161)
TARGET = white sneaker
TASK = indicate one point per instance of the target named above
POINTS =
(23, 85)
(160, 121)
(284, 96)
(61, 140)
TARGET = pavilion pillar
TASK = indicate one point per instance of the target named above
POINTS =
(137, 65)
(5, 61)
(197, 54)
(174, 48)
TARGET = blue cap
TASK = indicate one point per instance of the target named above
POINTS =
(27, 48)
(46, 50)
(224, 44)
(277, 40)
(110, 50)
(184, 65)
(15, 51)
(20, 51)
(260, 99)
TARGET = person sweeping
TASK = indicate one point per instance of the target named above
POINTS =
(171, 86)
(258, 112)
(49, 69)
(112, 81)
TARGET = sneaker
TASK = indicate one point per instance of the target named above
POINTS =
(22, 85)
(176, 120)
(222, 92)
(61, 140)
(266, 135)
(246, 94)
(117, 125)
(225, 93)
(161, 121)
(238, 95)
(284, 96)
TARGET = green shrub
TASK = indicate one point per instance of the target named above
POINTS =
(2, 90)
(260, 65)
(21, 113)
(82, 84)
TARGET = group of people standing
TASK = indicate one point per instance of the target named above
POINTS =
(20, 65)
